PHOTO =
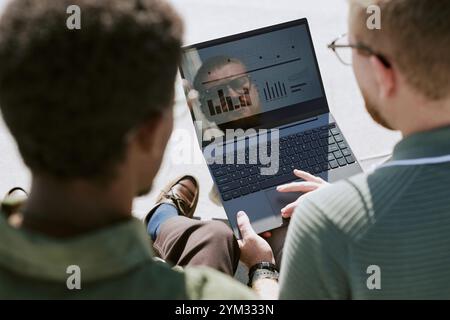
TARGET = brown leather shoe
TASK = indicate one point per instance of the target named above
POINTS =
(183, 193)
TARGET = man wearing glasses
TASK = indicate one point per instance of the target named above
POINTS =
(224, 78)
(384, 235)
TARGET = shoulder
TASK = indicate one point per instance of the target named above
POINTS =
(154, 280)
(206, 283)
(356, 204)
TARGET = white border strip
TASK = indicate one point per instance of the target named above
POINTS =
(417, 162)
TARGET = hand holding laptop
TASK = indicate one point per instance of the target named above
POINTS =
(254, 248)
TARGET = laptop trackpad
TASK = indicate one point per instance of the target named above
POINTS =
(279, 200)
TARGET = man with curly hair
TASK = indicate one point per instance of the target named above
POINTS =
(91, 111)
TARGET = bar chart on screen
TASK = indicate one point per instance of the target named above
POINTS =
(274, 90)
(227, 103)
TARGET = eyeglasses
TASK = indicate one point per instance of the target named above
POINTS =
(344, 53)
(238, 85)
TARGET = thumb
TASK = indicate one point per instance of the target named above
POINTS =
(287, 211)
(244, 225)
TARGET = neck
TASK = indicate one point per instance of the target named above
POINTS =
(64, 209)
(427, 116)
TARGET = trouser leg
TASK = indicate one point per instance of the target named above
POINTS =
(188, 242)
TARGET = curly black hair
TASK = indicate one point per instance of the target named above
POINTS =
(70, 97)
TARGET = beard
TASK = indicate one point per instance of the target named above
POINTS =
(374, 112)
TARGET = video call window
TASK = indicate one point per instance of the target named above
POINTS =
(252, 75)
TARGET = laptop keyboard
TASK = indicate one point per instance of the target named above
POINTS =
(315, 151)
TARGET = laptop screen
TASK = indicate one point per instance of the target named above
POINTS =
(260, 78)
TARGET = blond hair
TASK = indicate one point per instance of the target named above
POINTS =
(414, 36)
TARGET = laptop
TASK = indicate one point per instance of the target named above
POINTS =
(266, 84)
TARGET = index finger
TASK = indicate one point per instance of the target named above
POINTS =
(307, 176)
(302, 186)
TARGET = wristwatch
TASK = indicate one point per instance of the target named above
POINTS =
(262, 270)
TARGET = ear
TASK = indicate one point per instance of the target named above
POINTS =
(384, 76)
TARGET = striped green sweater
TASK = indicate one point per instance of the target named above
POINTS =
(396, 219)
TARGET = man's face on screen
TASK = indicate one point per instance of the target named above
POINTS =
(230, 85)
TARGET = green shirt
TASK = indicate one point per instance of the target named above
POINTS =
(396, 218)
(114, 263)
